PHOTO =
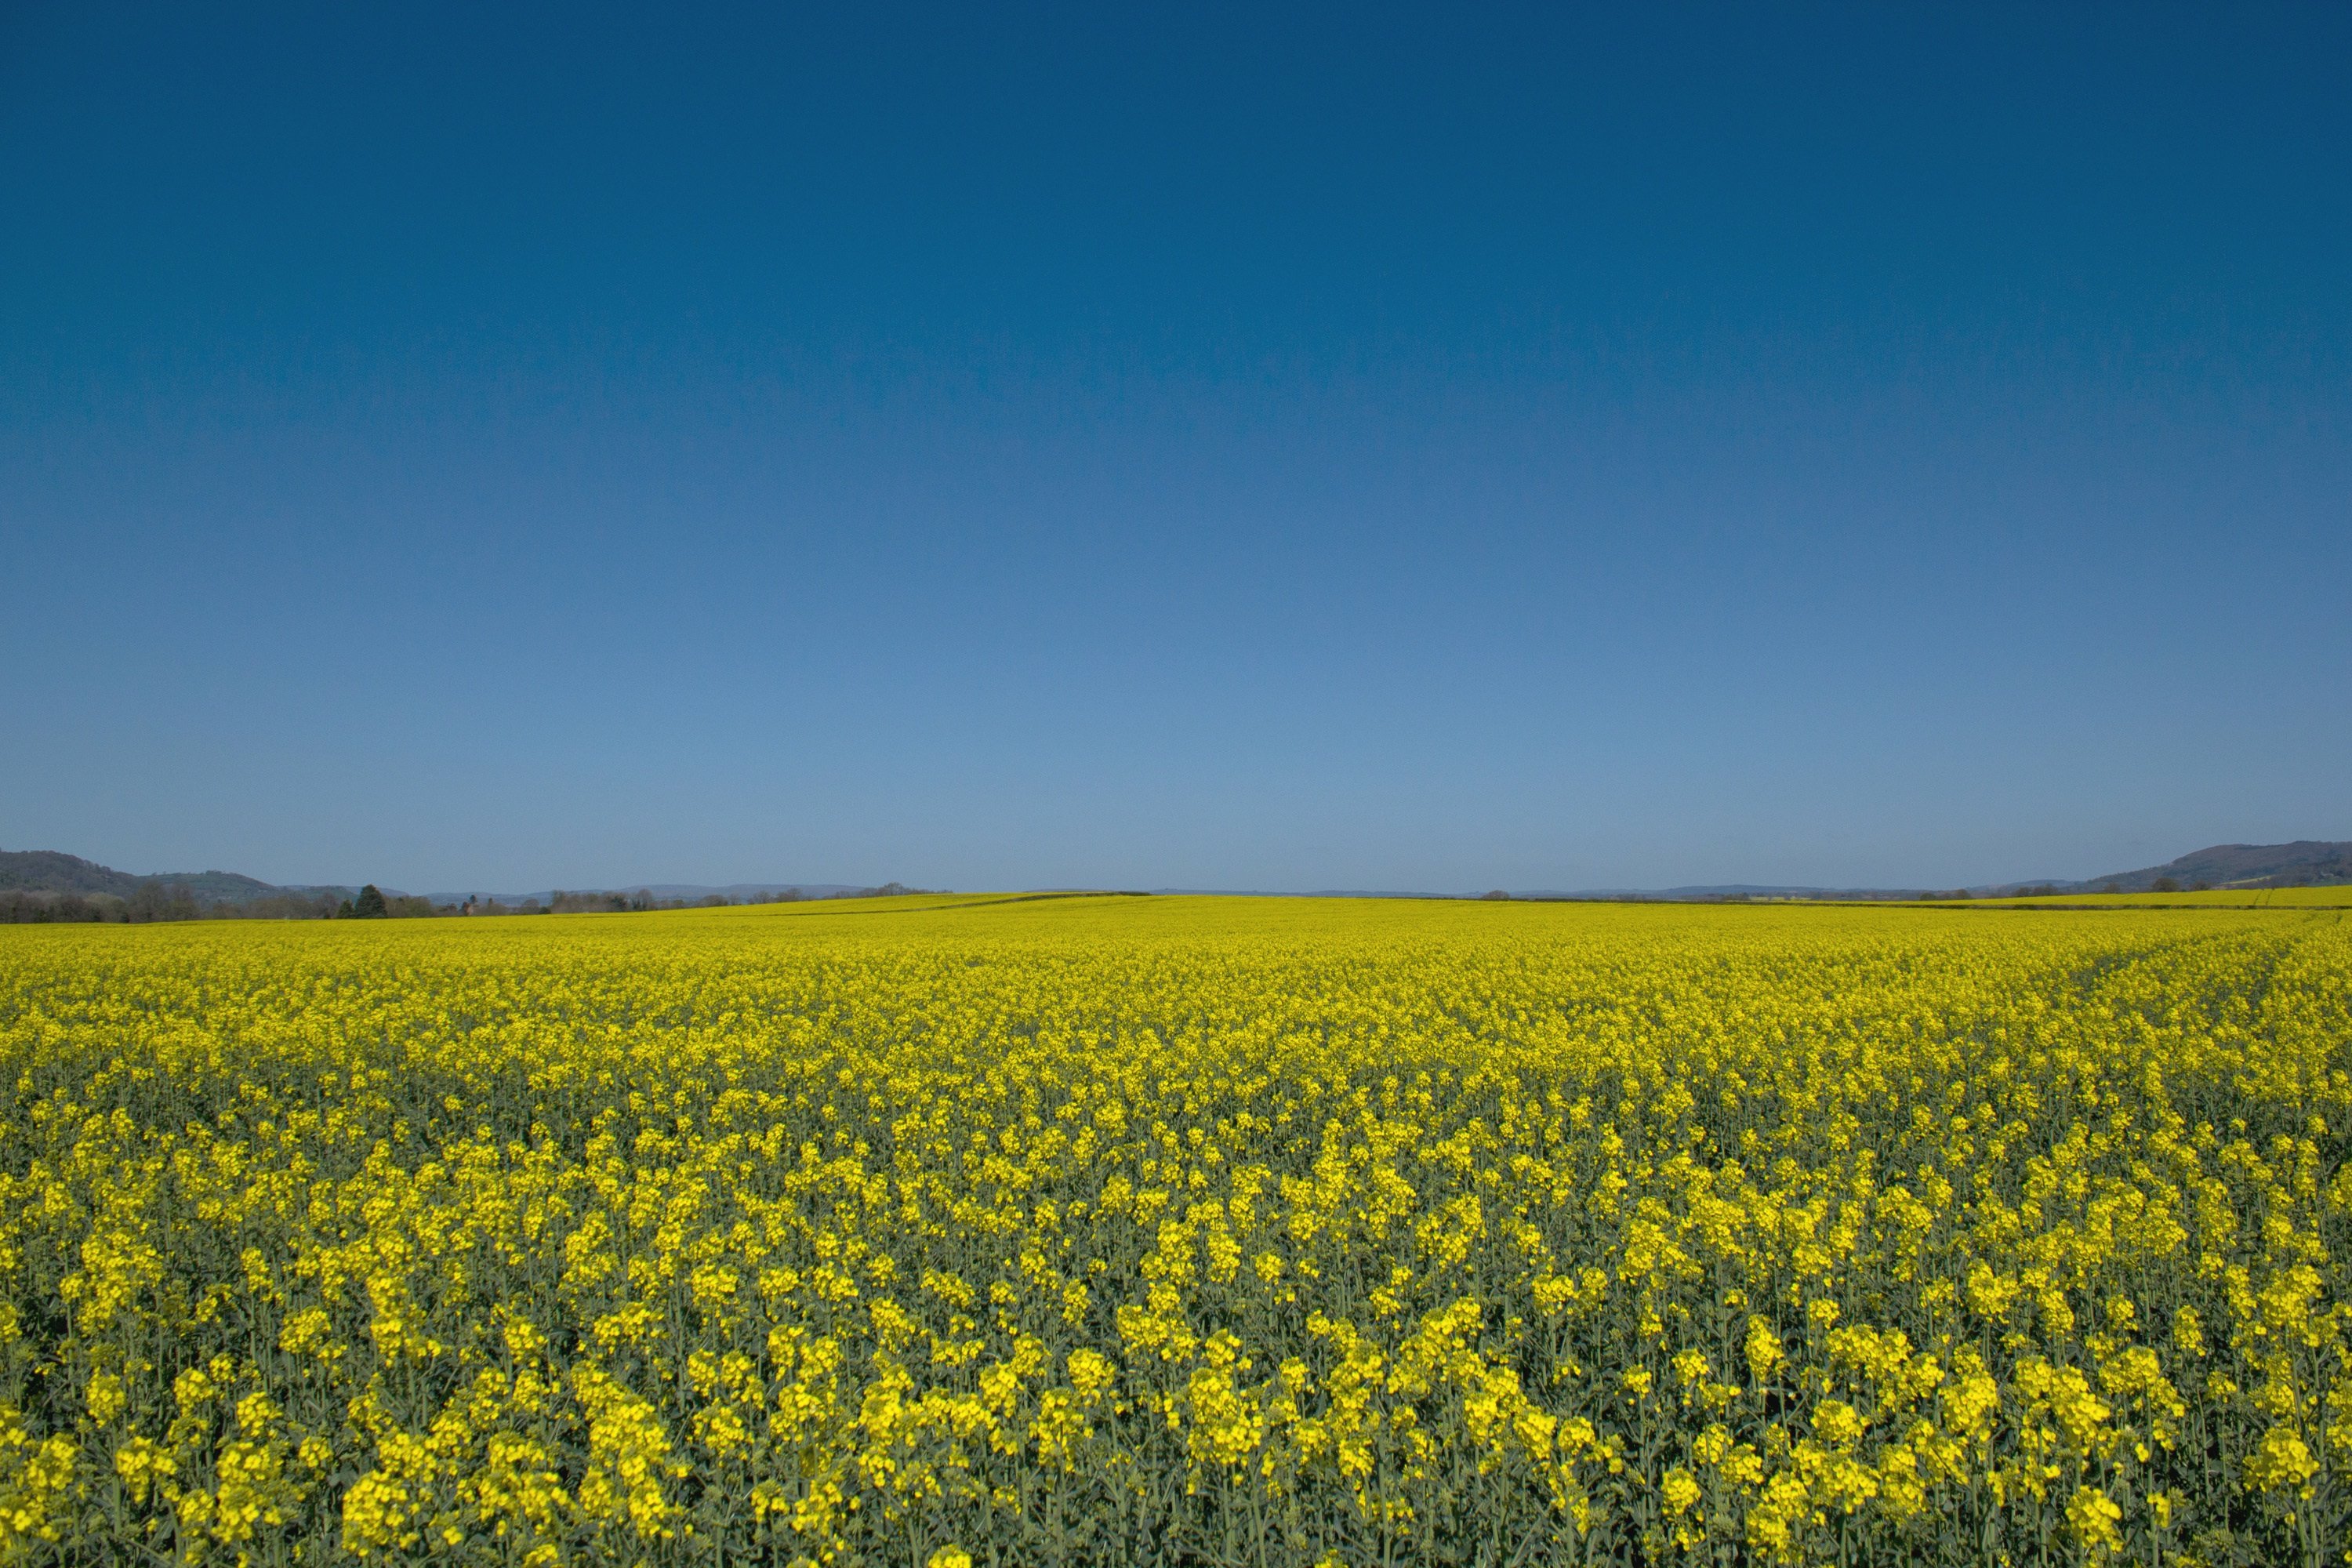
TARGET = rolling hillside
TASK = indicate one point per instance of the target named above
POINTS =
(2305, 862)
(49, 871)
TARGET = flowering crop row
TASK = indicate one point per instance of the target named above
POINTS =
(1181, 1231)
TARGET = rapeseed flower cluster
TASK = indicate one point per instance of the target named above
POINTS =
(1180, 1231)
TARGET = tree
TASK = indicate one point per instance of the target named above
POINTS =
(2165, 885)
(368, 905)
(161, 901)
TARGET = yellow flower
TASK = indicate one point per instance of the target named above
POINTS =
(2093, 1515)
(2282, 1463)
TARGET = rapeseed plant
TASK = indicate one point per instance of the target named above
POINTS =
(1181, 1232)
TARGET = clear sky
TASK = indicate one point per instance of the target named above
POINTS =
(487, 447)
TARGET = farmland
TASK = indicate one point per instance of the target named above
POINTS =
(946, 1232)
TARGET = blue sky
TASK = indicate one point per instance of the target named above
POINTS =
(1286, 448)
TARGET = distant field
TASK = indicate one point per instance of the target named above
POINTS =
(1006, 1230)
(2331, 898)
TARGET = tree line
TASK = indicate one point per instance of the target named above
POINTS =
(156, 901)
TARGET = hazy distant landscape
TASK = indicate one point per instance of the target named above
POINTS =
(44, 885)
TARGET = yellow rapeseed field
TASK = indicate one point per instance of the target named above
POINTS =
(945, 1233)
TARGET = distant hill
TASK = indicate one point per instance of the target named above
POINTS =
(2304, 863)
(48, 871)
